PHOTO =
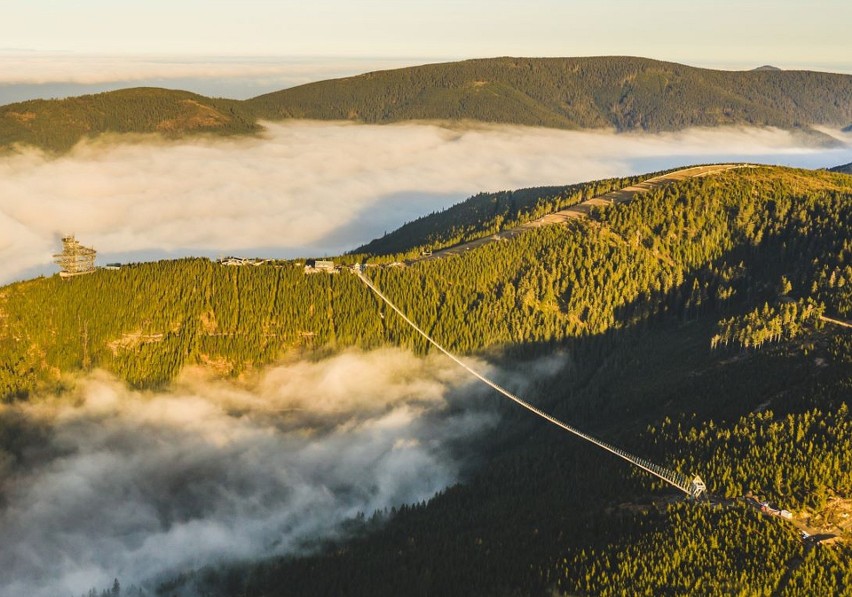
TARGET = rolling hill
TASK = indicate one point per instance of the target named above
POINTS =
(624, 93)
(620, 93)
(57, 125)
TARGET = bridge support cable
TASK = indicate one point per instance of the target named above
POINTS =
(693, 487)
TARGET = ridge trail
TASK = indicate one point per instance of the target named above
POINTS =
(584, 208)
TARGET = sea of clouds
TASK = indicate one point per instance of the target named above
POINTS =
(26, 75)
(318, 188)
(107, 482)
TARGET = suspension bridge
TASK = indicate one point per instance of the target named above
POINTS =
(692, 486)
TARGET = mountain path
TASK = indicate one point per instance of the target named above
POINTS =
(583, 209)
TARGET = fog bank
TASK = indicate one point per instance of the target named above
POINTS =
(314, 189)
(45, 75)
(107, 482)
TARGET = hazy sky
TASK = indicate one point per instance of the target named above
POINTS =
(787, 33)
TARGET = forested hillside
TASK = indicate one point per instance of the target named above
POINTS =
(549, 515)
(685, 247)
(845, 168)
(485, 214)
(620, 93)
(57, 125)
(689, 321)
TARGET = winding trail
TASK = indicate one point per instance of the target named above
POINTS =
(583, 209)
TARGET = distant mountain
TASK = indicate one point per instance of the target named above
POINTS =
(845, 168)
(767, 67)
(620, 93)
(57, 125)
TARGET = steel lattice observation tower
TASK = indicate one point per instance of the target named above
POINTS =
(75, 259)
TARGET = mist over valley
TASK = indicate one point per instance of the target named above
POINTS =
(531, 314)
(312, 189)
(108, 482)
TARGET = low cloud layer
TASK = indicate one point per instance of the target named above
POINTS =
(32, 75)
(58, 67)
(108, 482)
(311, 189)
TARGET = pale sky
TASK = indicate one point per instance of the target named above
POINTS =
(724, 33)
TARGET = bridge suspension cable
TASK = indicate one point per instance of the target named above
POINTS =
(692, 486)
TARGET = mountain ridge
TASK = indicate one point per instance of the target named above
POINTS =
(646, 244)
(686, 324)
(615, 92)
(619, 83)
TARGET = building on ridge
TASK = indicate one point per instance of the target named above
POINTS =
(320, 266)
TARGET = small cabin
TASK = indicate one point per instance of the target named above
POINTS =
(319, 266)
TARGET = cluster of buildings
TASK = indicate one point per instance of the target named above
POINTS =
(242, 261)
(767, 508)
